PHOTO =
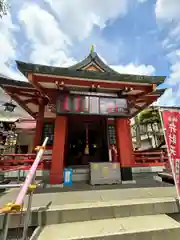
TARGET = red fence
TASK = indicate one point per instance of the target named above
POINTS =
(150, 158)
(142, 159)
(13, 161)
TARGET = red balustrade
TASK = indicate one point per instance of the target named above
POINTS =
(142, 159)
(10, 162)
(151, 158)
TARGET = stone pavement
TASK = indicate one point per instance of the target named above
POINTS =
(159, 227)
(122, 210)
(60, 198)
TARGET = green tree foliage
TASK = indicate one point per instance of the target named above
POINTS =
(149, 116)
(3, 8)
(151, 120)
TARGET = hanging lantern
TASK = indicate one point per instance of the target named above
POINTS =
(86, 151)
(9, 106)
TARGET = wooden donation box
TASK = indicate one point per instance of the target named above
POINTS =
(105, 173)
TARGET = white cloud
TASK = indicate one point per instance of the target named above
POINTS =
(8, 54)
(175, 74)
(8, 47)
(174, 58)
(167, 10)
(77, 18)
(168, 99)
(135, 69)
(48, 43)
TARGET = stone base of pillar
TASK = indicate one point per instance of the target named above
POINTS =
(126, 174)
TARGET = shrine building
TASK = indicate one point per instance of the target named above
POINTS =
(85, 111)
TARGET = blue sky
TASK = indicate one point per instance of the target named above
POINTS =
(132, 36)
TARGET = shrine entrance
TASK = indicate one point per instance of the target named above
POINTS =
(86, 141)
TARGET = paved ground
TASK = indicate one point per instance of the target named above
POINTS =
(143, 180)
(145, 187)
(60, 198)
(154, 227)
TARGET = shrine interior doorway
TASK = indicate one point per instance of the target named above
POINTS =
(86, 141)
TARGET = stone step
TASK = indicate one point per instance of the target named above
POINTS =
(157, 227)
(97, 210)
(110, 209)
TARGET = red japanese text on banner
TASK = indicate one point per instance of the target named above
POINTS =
(171, 122)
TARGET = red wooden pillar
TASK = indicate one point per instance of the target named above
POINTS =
(125, 147)
(39, 125)
(57, 165)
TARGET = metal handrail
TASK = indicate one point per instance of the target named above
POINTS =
(29, 178)
(28, 187)
(14, 185)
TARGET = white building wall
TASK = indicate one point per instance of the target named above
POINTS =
(26, 139)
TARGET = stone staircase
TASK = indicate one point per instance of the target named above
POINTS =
(155, 227)
(124, 219)
(128, 214)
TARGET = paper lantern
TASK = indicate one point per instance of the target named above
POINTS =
(9, 107)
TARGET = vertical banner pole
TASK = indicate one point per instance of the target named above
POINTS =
(168, 152)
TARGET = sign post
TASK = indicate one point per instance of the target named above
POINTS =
(68, 177)
(170, 120)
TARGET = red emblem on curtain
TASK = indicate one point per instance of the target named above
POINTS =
(116, 108)
(78, 104)
(66, 103)
(110, 109)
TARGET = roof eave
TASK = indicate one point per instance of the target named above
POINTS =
(43, 69)
(10, 82)
(160, 91)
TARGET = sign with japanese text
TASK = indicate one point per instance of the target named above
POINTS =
(171, 122)
(68, 176)
(91, 105)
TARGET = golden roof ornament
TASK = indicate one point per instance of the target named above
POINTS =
(92, 48)
(154, 87)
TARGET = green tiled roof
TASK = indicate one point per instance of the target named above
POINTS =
(93, 58)
(76, 71)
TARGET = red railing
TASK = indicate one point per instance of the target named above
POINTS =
(142, 159)
(12, 161)
(151, 158)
